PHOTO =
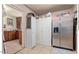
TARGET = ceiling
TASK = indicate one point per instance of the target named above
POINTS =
(10, 11)
(40, 9)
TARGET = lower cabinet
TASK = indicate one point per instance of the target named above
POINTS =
(9, 35)
(12, 35)
(6, 36)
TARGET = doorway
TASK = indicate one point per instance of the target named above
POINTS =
(13, 38)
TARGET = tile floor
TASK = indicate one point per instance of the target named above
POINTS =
(62, 51)
(45, 50)
(38, 49)
(12, 47)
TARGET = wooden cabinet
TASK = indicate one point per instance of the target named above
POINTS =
(12, 35)
(17, 35)
(6, 34)
(9, 35)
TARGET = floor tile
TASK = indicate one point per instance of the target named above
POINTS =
(12, 46)
(62, 51)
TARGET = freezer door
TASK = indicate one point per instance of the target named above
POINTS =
(66, 32)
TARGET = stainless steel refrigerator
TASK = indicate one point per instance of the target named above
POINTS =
(62, 32)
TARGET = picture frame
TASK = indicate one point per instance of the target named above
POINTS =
(10, 21)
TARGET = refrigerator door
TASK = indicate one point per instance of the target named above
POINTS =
(56, 31)
(66, 32)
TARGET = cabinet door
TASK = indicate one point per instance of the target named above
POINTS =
(16, 35)
(10, 35)
(6, 35)
(13, 35)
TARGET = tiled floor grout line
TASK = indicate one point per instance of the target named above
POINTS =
(18, 51)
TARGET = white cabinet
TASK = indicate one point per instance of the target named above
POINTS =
(44, 31)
